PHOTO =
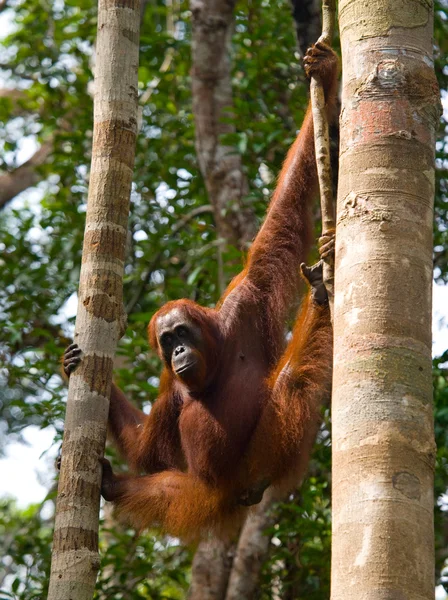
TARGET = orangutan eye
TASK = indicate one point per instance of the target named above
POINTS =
(166, 339)
(182, 331)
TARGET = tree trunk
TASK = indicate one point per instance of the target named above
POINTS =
(210, 570)
(383, 444)
(100, 318)
(252, 550)
(212, 107)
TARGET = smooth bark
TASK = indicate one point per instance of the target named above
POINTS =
(383, 443)
(100, 317)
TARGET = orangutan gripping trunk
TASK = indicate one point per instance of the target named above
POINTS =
(235, 405)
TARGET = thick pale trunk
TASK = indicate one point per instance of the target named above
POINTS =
(383, 444)
(99, 322)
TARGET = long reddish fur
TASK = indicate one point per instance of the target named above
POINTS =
(185, 441)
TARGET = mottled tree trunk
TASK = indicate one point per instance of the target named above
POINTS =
(212, 108)
(383, 444)
(100, 318)
(210, 570)
(252, 551)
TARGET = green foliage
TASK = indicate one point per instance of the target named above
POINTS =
(441, 198)
(48, 57)
(26, 538)
(146, 567)
(440, 380)
(41, 234)
(300, 555)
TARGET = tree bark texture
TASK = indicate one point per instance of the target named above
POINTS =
(220, 165)
(100, 317)
(210, 570)
(383, 444)
(252, 550)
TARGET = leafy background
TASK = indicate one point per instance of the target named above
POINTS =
(46, 67)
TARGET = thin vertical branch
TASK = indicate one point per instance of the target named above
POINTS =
(322, 146)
